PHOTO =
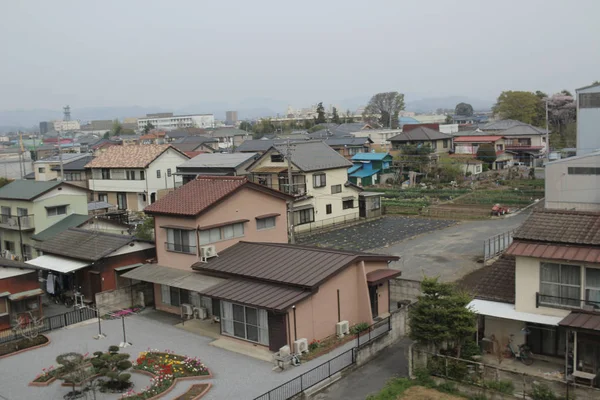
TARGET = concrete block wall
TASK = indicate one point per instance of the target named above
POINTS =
(404, 290)
(140, 294)
(399, 322)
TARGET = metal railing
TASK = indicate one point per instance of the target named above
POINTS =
(324, 371)
(310, 227)
(180, 248)
(497, 244)
(544, 300)
(54, 322)
(17, 222)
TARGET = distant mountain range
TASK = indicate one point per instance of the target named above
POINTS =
(250, 108)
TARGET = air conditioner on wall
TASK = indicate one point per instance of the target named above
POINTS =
(207, 252)
(301, 346)
(201, 312)
(186, 311)
(284, 351)
(342, 328)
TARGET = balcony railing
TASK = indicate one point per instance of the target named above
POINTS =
(23, 222)
(544, 300)
(180, 248)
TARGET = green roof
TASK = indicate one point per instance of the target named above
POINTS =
(71, 221)
(26, 189)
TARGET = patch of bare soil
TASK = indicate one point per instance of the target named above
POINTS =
(422, 393)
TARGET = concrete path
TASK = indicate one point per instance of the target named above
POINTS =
(371, 377)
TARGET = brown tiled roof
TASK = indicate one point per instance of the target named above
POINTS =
(498, 282)
(131, 156)
(301, 266)
(560, 226)
(581, 320)
(200, 194)
(589, 254)
(258, 294)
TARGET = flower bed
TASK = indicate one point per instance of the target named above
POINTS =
(18, 346)
(166, 368)
(195, 392)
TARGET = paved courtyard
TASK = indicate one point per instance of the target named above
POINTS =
(235, 376)
(374, 234)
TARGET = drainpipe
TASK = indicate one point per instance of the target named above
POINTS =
(295, 326)
(20, 238)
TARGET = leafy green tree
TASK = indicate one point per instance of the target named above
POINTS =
(349, 117)
(106, 135)
(246, 126)
(381, 106)
(335, 117)
(145, 230)
(117, 128)
(414, 158)
(320, 114)
(486, 153)
(518, 105)
(4, 181)
(263, 127)
(441, 316)
(148, 127)
(308, 124)
(127, 131)
(449, 119)
(463, 109)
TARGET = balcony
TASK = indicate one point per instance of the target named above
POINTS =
(543, 300)
(180, 248)
(22, 223)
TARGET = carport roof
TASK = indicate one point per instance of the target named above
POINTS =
(175, 277)
(581, 320)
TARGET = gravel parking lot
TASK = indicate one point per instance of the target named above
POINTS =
(376, 234)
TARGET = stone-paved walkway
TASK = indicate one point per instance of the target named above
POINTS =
(376, 234)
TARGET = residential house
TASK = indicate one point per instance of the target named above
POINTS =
(220, 164)
(469, 145)
(571, 183)
(319, 182)
(45, 169)
(171, 136)
(20, 293)
(101, 145)
(131, 176)
(556, 291)
(155, 137)
(525, 141)
(257, 145)
(75, 172)
(95, 264)
(439, 142)
(273, 294)
(30, 207)
(370, 168)
(89, 222)
(588, 118)
(196, 144)
(379, 137)
(229, 137)
(349, 146)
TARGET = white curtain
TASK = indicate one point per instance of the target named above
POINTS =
(165, 294)
(226, 317)
(592, 283)
(263, 327)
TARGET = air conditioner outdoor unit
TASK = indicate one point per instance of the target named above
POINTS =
(301, 346)
(186, 311)
(201, 312)
(284, 351)
(207, 252)
(342, 328)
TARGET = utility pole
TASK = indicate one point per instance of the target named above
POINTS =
(60, 158)
(20, 156)
(547, 134)
(288, 155)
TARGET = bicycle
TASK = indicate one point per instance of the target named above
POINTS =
(522, 353)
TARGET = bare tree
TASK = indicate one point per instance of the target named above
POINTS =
(384, 107)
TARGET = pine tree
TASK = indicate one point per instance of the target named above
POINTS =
(320, 114)
(335, 118)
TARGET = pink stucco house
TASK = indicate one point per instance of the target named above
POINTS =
(222, 246)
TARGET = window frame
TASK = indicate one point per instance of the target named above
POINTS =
(345, 204)
(6, 309)
(277, 158)
(319, 180)
(103, 197)
(41, 170)
(57, 209)
(376, 204)
(588, 100)
(230, 323)
(328, 209)
(158, 173)
(264, 222)
(561, 300)
(302, 216)
(105, 173)
(335, 189)
(181, 246)
(236, 228)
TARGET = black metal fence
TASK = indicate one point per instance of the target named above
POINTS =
(496, 244)
(324, 371)
(51, 323)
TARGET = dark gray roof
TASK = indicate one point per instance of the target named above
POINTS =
(195, 139)
(498, 281)
(227, 132)
(218, 160)
(511, 126)
(348, 141)
(84, 244)
(177, 134)
(259, 145)
(99, 205)
(300, 266)
(70, 221)
(77, 165)
(501, 125)
(523, 130)
(66, 157)
(561, 226)
(349, 128)
(420, 134)
(26, 189)
(5, 262)
(313, 155)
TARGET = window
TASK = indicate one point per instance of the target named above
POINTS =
(336, 189)
(73, 176)
(58, 210)
(346, 204)
(6, 211)
(142, 175)
(498, 147)
(583, 171)
(445, 143)
(174, 296)
(168, 171)
(305, 216)
(158, 173)
(122, 201)
(592, 286)
(277, 158)
(243, 322)
(21, 212)
(181, 241)
(222, 233)
(319, 180)
(354, 150)
(589, 100)
(103, 197)
(41, 170)
(130, 175)
(560, 284)
(265, 223)
(105, 173)
(328, 209)
(376, 205)
(3, 306)
(434, 144)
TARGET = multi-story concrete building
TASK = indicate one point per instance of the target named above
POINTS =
(46, 126)
(64, 126)
(588, 119)
(171, 122)
(48, 169)
(231, 117)
(571, 183)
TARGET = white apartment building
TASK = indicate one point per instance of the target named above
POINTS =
(169, 123)
(64, 126)
(588, 119)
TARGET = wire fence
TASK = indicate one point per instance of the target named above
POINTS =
(324, 371)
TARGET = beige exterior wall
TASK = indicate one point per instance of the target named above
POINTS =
(48, 174)
(383, 290)
(162, 306)
(502, 329)
(564, 191)
(245, 204)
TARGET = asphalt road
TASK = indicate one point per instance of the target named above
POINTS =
(371, 377)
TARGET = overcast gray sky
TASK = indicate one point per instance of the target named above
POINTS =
(179, 53)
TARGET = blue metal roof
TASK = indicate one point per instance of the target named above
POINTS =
(364, 173)
(354, 168)
(370, 156)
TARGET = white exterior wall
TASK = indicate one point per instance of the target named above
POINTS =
(175, 122)
(578, 192)
(588, 125)
(62, 126)
(449, 128)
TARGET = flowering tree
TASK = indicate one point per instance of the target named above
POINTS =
(562, 110)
